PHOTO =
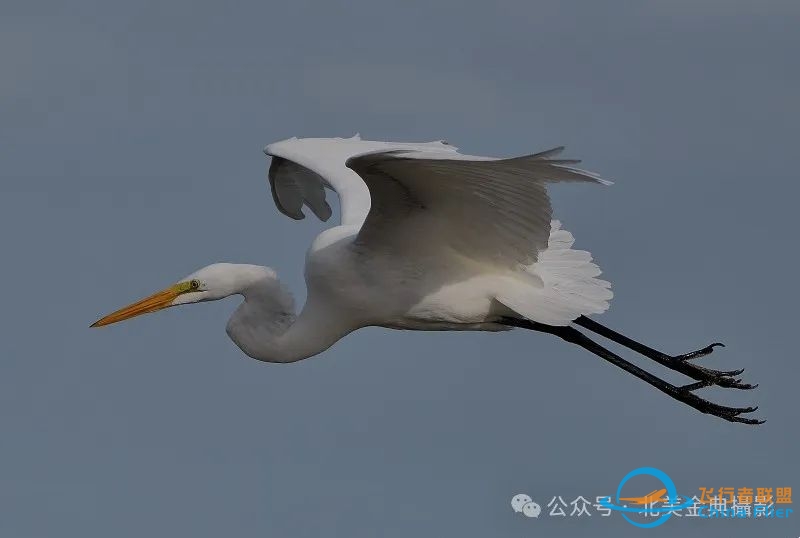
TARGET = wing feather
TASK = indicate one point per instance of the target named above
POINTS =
(491, 210)
(294, 186)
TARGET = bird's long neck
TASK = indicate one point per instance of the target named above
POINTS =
(266, 327)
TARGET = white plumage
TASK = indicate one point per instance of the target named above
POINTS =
(430, 239)
(475, 226)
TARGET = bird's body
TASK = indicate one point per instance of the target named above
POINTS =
(414, 275)
(429, 239)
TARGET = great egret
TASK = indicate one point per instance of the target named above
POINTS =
(430, 239)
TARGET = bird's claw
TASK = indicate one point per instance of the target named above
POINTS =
(708, 376)
(731, 414)
(699, 353)
(702, 377)
(695, 386)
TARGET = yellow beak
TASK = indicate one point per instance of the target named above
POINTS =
(155, 302)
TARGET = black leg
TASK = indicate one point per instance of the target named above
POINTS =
(679, 363)
(683, 394)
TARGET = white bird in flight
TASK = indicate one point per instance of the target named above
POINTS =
(430, 239)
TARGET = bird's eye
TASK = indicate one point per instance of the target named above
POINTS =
(194, 284)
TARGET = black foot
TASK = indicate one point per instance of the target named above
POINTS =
(731, 414)
(704, 377)
(678, 363)
(719, 378)
(699, 353)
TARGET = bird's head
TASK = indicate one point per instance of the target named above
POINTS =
(210, 283)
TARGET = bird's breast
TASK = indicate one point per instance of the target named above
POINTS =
(419, 292)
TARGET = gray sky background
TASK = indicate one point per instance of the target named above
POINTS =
(130, 155)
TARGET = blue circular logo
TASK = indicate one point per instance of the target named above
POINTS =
(666, 512)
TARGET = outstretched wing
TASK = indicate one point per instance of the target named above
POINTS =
(492, 210)
(302, 169)
(294, 186)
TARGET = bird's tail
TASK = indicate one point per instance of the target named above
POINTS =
(569, 285)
